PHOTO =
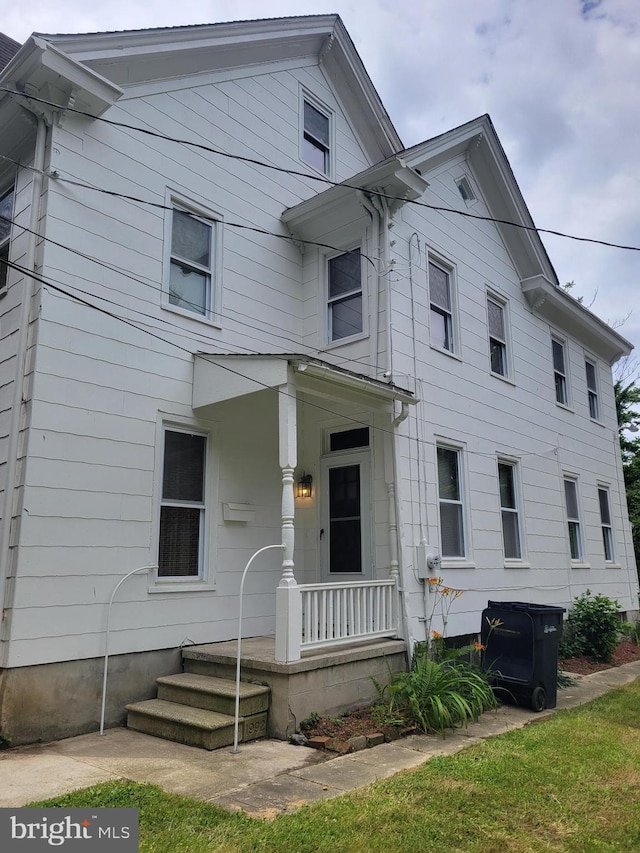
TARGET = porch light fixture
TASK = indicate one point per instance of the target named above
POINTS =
(303, 488)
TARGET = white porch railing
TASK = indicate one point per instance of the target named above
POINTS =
(347, 612)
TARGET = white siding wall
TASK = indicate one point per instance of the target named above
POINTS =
(487, 416)
(102, 386)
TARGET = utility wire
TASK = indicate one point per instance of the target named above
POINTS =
(319, 178)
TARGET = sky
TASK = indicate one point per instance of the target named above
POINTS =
(559, 78)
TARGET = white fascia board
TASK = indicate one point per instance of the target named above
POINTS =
(553, 304)
(354, 382)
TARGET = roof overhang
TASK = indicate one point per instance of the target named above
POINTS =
(217, 378)
(342, 204)
(562, 310)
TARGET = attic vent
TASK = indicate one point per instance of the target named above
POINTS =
(464, 188)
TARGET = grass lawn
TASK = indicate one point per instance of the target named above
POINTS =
(567, 783)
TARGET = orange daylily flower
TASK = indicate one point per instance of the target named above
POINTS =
(479, 647)
(436, 635)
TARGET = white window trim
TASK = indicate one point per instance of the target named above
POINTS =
(306, 95)
(5, 245)
(449, 268)
(567, 384)
(198, 207)
(325, 330)
(514, 464)
(452, 562)
(466, 178)
(612, 563)
(492, 295)
(578, 562)
(206, 579)
(588, 359)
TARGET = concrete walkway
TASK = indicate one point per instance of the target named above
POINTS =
(265, 778)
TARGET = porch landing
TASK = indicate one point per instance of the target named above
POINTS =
(325, 682)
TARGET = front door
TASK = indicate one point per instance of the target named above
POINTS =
(345, 534)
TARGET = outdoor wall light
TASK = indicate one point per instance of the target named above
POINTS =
(303, 488)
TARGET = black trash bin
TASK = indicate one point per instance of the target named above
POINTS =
(521, 651)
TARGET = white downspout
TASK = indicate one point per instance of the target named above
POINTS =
(7, 588)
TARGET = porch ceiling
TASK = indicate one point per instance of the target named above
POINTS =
(224, 377)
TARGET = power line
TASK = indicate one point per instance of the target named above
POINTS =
(296, 173)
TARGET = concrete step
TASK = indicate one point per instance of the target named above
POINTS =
(213, 694)
(192, 726)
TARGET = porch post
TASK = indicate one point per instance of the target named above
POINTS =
(288, 598)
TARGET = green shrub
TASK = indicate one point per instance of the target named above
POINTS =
(435, 695)
(592, 627)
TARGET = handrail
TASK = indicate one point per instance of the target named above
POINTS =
(235, 749)
(106, 645)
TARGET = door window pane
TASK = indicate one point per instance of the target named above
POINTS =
(345, 523)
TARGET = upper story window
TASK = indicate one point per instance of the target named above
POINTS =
(345, 303)
(592, 389)
(573, 519)
(496, 312)
(182, 510)
(509, 510)
(441, 304)
(6, 215)
(605, 521)
(192, 284)
(450, 498)
(465, 189)
(560, 372)
(316, 137)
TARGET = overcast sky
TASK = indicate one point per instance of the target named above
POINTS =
(560, 79)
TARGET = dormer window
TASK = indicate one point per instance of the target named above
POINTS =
(316, 137)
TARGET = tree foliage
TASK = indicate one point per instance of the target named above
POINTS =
(627, 395)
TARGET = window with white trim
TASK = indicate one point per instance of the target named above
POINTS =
(316, 137)
(193, 263)
(605, 522)
(441, 307)
(592, 389)
(572, 506)
(182, 506)
(497, 321)
(509, 510)
(6, 215)
(450, 499)
(345, 303)
(560, 371)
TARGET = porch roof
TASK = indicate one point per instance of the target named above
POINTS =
(218, 377)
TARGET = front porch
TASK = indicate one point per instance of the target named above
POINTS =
(326, 681)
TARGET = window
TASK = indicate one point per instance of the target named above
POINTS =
(6, 215)
(464, 188)
(497, 336)
(182, 510)
(193, 261)
(345, 295)
(441, 307)
(592, 390)
(509, 510)
(605, 521)
(559, 372)
(450, 499)
(316, 148)
(573, 518)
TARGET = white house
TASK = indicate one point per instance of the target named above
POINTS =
(228, 283)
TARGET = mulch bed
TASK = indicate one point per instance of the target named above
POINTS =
(358, 729)
(626, 652)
